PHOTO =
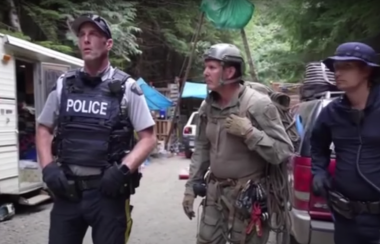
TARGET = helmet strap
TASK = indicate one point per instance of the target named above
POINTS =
(223, 82)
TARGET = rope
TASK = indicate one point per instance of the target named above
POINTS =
(277, 175)
(282, 102)
(277, 185)
(278, 198)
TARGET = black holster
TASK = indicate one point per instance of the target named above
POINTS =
(348, 208)
(78, 184)
(71, 194)
(200, 188)
(340, 204)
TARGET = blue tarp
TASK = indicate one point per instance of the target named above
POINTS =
(194, 90)
(155, 100)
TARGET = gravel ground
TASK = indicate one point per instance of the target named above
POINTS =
(158, 215)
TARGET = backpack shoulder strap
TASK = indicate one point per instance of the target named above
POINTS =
(203, 109)
(203, 113)
(245, 101)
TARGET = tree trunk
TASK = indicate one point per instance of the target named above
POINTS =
(13, 16)
(249, 56)
(187, 72)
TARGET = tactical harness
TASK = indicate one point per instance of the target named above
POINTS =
(249, 204)
(257, 201)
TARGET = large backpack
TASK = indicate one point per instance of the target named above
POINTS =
(276, 184)
(282, 102)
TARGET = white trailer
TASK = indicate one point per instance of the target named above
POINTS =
(27, 71)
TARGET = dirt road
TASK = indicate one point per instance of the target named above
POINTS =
(158, 216)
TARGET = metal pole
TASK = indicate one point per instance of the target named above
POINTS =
(187, 72)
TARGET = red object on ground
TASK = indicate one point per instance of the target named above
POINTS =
(184, 174)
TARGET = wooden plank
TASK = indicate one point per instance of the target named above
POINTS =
(162, 127)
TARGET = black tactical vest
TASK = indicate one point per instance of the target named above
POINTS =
(93, 125)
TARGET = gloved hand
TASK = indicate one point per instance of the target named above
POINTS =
(238, 126)
(321, 184)
(113, 181)
(188, 205)
(55, 179)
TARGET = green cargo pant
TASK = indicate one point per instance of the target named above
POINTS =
(220, 224)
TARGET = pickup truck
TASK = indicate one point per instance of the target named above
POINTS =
(311, 219)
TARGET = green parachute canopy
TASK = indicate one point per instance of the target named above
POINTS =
(228, 14)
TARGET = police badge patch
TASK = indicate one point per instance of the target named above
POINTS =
(135, 88)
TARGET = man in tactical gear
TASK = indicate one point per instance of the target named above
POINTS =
(239, 132)
(351, 123)
(92, 165)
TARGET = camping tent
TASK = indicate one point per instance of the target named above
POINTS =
(194, 90)
(155, 100)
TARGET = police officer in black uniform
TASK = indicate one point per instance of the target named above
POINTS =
(91, 167)
(351, 123)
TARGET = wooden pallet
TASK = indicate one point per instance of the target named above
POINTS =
(161, 138)
(162, 128)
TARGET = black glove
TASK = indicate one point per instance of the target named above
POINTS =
(55, 179)
(321, 184)
(114, 181)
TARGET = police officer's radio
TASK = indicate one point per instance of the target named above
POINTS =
(117, 87)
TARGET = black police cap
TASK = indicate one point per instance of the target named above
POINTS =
(100, 22)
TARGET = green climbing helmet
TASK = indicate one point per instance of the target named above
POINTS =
(225, 53)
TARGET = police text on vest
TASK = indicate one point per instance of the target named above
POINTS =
(86, 106)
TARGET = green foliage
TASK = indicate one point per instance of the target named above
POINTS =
(317, 27)
(15, 34)
(270, 49)
(172, 26)
(45, 18)
(154, 37)
(56, 47)
(120, 16)
(54, 17)
(284, 35)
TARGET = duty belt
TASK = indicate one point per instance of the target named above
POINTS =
(349, 208)
(226, 182)
(222, 182)
(84, 183)
(87, 184)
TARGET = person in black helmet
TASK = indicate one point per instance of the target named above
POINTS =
(92, 165)
(351, 123)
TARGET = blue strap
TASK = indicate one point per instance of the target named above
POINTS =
(299, 125)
